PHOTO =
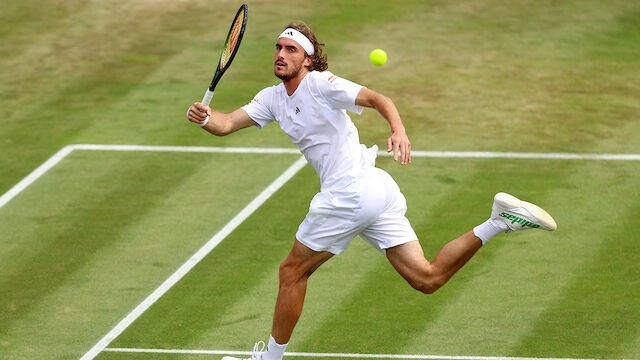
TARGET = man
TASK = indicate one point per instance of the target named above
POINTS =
(355, 198)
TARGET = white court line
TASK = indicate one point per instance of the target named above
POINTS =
(415, 153)
(331, 355)
(35, 174)
(515, 155)
(193, 149)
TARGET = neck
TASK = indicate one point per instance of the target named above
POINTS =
(292, 84)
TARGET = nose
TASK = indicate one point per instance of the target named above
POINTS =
(278, 54)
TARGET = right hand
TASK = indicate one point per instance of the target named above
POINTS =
(198, 113)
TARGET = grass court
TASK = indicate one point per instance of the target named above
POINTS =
(98, 232)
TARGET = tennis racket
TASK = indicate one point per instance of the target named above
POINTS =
(231, 46)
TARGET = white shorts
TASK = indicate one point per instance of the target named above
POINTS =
(373, 207)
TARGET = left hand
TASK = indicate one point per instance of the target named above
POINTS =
(399, 142)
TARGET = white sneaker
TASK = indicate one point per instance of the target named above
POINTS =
(520, 215)
(258, 350)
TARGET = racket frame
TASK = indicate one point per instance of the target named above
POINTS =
(244, 10)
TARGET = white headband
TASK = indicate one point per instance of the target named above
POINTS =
(298, 37)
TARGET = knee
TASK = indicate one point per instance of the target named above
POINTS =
(288, 274)
(424, 287)
(427, 284)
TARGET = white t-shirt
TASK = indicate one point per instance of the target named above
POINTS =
(316, 120)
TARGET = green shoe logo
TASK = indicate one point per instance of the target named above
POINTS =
(516, 219)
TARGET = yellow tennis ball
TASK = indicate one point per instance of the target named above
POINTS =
(378, 57)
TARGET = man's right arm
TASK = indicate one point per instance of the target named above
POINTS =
(219, 123)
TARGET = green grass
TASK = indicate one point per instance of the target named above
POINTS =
(84, 244)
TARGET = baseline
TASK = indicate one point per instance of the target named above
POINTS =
(331, 355)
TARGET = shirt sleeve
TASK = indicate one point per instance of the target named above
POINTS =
(258, 109)
(338, 92)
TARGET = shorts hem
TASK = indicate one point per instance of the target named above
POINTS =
(401, 242)
(397, 243)
(316, 248)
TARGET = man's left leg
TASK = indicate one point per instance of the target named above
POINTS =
(508, 214)
(409, 260)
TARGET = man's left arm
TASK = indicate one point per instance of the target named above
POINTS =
(398, 141)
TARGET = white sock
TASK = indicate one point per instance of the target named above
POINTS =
(274, 351)
(489, 229)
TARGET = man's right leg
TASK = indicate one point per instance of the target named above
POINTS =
(295, 270)
(294, 273)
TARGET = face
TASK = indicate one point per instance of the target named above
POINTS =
(290, 59)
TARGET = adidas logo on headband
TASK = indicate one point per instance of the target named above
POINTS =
(298, 37)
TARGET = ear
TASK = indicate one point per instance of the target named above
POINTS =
(308, 62)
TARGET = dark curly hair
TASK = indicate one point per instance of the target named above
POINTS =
(318, 58)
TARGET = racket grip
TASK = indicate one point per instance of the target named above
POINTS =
(207, 97)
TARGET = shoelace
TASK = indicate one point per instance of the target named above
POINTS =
(258, 349)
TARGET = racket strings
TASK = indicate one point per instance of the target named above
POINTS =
(232, 40)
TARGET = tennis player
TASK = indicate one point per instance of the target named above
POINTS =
(355, 197)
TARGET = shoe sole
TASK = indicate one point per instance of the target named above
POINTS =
(543, 217)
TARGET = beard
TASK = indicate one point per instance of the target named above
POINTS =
(286, 76)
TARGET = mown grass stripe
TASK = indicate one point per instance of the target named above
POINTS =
(49, 252)
(609, 266)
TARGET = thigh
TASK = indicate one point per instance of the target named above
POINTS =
(335, 217)
(408, 260)
(328, 226)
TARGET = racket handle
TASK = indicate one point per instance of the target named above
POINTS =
(207, 97)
